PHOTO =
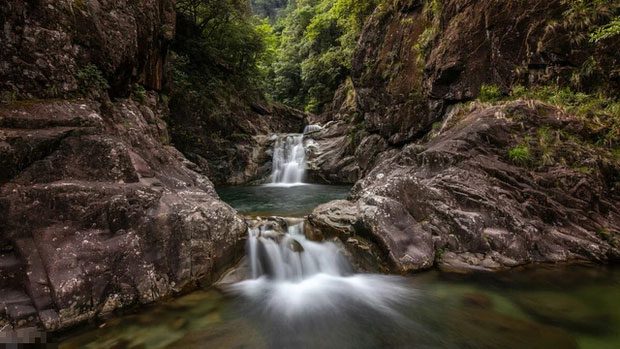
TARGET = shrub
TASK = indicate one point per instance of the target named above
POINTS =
(490, 93)
(520, 155)
(90, 79)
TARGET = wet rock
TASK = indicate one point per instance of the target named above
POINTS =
(236, 274)
(294, 245)
(384, 221)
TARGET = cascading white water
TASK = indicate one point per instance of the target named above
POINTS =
(289, 160)
(291, 256)
(312, 129)
(298, 279)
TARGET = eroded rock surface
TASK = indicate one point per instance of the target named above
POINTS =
(459, 202)
(48, 45)
(98, 214)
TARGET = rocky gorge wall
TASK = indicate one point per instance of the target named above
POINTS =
(435, 182)
(97, 211)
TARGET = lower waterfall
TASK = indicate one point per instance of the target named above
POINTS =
(295, 279)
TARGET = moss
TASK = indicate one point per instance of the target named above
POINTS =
(138, 93)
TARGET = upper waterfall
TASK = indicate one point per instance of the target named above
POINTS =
(289, 160)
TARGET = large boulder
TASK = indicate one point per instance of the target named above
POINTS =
(99, 214)
(459, 201)
(97, 211)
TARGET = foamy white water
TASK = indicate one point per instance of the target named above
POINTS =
(293, 276)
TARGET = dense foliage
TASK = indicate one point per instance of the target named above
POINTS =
(315, 44)
(268, 8)
(217, 42)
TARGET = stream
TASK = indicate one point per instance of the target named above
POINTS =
(304, 294)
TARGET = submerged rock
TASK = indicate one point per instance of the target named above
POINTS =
(566, 311)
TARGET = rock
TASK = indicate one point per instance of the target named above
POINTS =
(234, 146)
(457, 201)
(294, 245)
(87, 223)
(47, 43)
(235, 274)
(384, 221)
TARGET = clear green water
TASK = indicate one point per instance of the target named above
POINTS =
(295, 201)
(553, 308)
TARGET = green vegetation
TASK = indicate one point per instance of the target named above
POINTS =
(600, 113)
(315, 44)
(138, 93)
(268, 8)
(596, 136)
(294, 52)
(432, 12)
(520, 155)
(218, 60)
(90, 79)
(606, 31)
(490, 93)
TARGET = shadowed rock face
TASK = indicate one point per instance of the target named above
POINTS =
(97, 211)
(458, 202)
(45, 43)
(98, 214)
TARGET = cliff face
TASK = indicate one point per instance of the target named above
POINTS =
(47, 45)
(438, 183)
(97, 211)
(231, 142)
(416, 59)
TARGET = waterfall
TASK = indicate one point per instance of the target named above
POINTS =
(290, 256)
(295, 279)
(312, 129)
(289, 160)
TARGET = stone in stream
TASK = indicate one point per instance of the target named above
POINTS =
(457, 201)
(294, 245)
